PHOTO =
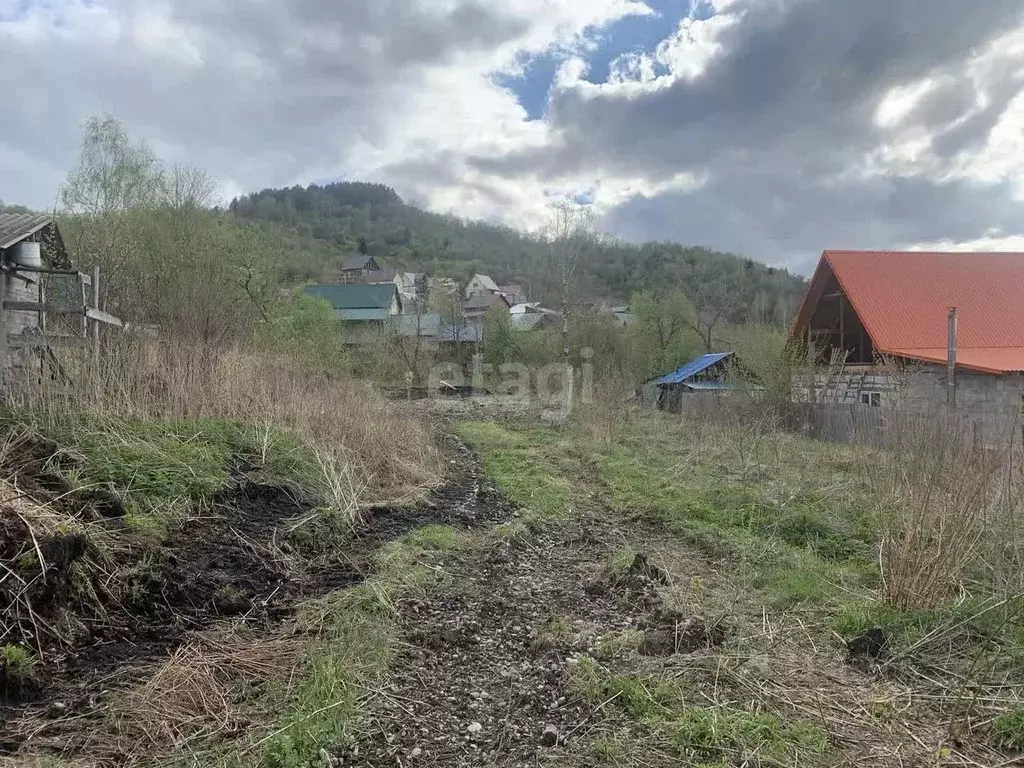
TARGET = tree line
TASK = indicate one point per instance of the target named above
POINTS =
(325, 223)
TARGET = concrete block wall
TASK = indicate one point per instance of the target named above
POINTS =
(994, 404)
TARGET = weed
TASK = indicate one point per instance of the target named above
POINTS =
(643, 699)
(619, 643)
(615, 565)
(554, 632)
(19, 663)
(714, 733)
(1009, 729)
(606, 750)
(18, 671)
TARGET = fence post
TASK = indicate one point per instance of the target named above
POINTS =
(951, 361)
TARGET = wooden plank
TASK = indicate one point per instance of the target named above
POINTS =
(21, 341)
(42, 306)
(103, 317)
(17, 275)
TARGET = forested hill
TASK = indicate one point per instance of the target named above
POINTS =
(324, 224)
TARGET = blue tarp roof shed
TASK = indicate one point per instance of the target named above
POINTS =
(692, 368)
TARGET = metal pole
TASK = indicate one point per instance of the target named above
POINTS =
(951, 362)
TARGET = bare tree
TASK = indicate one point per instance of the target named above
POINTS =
(412, 352)
(570, 233)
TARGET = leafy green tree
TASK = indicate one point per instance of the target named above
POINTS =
(166, 257)
(308, 328)
(663, 334)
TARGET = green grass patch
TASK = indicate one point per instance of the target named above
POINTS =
(160, 468)
(797, 544)
(1009, 729)
(18, 663)
(702, 733)
(643, 699)
(520, 463)
(717, 733)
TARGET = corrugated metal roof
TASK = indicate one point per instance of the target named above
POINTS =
(692, 368)
(355, 296)
(15, 227)
(362, 314)
(903, 300)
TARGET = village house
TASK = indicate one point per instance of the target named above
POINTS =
(408, 284)
(356, 304)
(531, 321)
(431, 327)
(43, 306)
(877, 326)
(382, 276)
(514, 294)
(476, 306)
(481, 284)
(356, 267)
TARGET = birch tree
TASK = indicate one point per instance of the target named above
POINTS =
(570, 234)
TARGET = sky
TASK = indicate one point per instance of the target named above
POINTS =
(771, 128)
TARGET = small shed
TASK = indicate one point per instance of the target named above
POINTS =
(703, 374)
(43, 307)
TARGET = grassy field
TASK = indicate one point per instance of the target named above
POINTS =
(778, 537)
(772, 539)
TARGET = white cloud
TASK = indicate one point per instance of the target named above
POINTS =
(757, 128)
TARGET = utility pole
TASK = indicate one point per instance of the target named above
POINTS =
(951, 361)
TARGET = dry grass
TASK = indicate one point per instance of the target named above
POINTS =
(198, 695)
(936, 495)
(386, 456)
(605, 416)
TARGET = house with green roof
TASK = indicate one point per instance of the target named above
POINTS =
(354, 303)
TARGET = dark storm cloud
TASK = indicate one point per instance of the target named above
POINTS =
(791, 220)
(784, 112)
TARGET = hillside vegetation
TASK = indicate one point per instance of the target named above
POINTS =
(324, 224)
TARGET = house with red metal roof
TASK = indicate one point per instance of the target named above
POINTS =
(866, 308)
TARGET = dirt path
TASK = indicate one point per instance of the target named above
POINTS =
(483, 677)
(483, 673)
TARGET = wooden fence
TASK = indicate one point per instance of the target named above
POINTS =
(42, 310)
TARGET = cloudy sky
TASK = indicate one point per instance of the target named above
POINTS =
(774, 128)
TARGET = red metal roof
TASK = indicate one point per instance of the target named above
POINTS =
(903, 300)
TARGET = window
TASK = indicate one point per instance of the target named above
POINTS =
(874, 399)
